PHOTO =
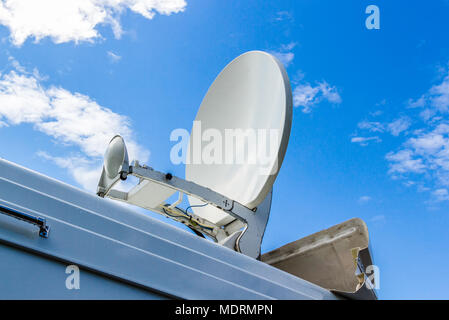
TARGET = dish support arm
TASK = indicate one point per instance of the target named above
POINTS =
(255, 220)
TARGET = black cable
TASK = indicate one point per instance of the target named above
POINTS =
(195, 206)
(199, 234)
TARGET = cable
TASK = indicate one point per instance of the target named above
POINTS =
(195, 206)
(186, 215)
(177, 216)
(199, 234)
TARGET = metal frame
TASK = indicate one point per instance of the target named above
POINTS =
(41, 223)
(253, 221)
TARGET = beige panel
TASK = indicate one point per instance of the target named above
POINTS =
(327, 258)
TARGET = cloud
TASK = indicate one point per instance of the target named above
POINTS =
(395, 128)
(421, 102)
(439, 95)
(113, 57)
(435, 101)
(285, 57)
(378, 218)
(422, 159)
(426, 151)
(364, 199)
(403, 161)
(74, 20)
(284, 54)
(288, 47)
(441, 195)
(283, 15)
(376, 113)
(307, 96)
(84, 171)
(430, 143)
(364, 141)
(399, 125)
(70, 118)
(372, 126)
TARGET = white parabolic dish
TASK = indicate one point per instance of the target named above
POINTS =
(252, 92)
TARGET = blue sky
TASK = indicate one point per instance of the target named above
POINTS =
(370, 134)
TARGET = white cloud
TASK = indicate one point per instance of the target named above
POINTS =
(284, 54)
(399, 125)
(288, 47)
(372, 126)
(307, 96)
(379, 218)
(376, 113)
(113, 57)
(421, 102)
(403, 161)
(364, 141)
(283, 15)
(440, 95)
(364, 199)
(74, 20)
(298, 76)
(441, 194)
(409, 183)
(69, 118)
(426, 153)
(427, 114)
(429, 143)
(85, 172)
(329, 93)
(285, 57)
(395, 128)
(422, 160)
(434, 101)
(304, 96)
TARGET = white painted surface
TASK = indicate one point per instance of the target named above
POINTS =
(252, 92)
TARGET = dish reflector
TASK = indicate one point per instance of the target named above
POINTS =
(114, 157)
(252, 95)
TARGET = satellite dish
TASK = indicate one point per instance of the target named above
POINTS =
(244, 125)
(114, 157)
(115, 166)
(252, 94)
